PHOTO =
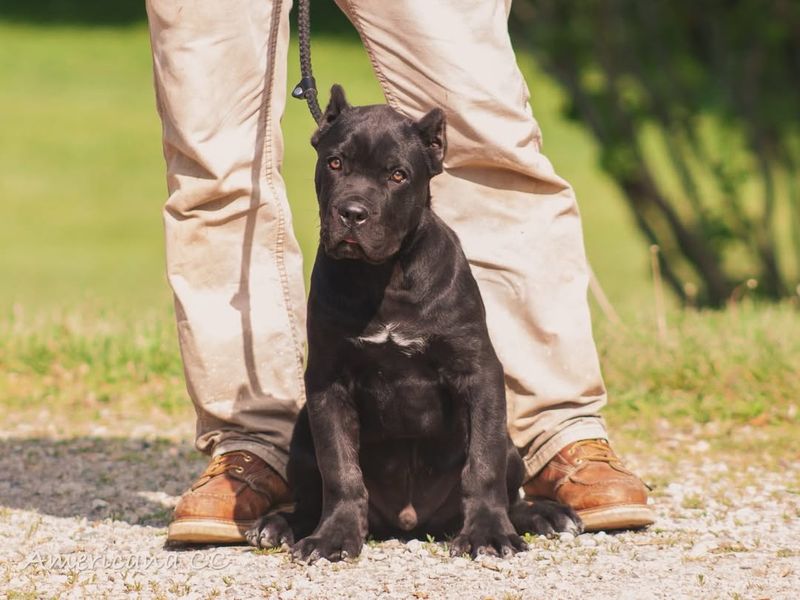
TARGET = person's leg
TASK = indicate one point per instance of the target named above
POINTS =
(232, 259)
(517, 220)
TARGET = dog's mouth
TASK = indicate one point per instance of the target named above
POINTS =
(343, 245)
(347, 245)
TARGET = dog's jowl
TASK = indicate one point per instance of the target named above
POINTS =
(404, 430)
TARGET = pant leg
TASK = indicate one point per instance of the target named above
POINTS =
(232, 259)
(517, 219)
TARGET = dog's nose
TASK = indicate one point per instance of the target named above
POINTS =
(353, 213)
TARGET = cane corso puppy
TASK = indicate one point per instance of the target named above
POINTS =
(404, 431)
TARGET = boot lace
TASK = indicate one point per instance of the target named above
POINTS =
(594, 451)
(222, 464)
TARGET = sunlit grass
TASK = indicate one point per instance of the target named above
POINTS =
(716, 372)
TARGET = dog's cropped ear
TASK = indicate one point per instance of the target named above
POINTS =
(336, 106)
(431, 130)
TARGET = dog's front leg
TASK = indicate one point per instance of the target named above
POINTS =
(487, 527)
(335, 429)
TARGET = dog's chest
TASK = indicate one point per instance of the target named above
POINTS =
(392, 335)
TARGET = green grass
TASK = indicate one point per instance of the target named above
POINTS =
(730, 376)
(80, 169)
(736, 365)
(82, 174)
(86, 331)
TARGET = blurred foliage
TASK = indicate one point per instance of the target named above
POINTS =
(83, 12)
(327, 18)
(717, 84)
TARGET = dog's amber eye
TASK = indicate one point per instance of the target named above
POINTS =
(398, 176)
(335, 163)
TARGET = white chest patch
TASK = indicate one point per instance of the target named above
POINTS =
(390, 334)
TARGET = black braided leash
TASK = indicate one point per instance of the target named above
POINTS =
(307, 88)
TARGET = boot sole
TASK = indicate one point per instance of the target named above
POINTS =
(212, 531)
(620, 516)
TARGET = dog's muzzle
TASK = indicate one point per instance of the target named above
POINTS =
(352, 214)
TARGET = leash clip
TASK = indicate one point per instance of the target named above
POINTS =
(307, 84)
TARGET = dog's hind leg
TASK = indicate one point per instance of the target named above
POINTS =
(270, 531)
(306, 483)
(542, 517)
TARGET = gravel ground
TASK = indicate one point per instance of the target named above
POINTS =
(86, 517)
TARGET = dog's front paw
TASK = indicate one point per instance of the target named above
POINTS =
(338, 537)
(270, 531)
(545, 517)
(489, 531)
(315, 547)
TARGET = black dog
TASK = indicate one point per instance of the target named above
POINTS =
(404, 432)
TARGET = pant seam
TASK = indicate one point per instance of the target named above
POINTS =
(382, 79)
(281, 225)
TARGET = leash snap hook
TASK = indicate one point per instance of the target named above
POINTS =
(307, 85)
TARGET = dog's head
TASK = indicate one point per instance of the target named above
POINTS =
(374, 167)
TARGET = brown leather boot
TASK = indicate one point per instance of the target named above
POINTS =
(590, 478)
(235, 489)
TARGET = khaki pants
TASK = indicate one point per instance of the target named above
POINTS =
(233, 261)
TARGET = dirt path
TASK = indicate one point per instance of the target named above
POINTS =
(86, 518)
